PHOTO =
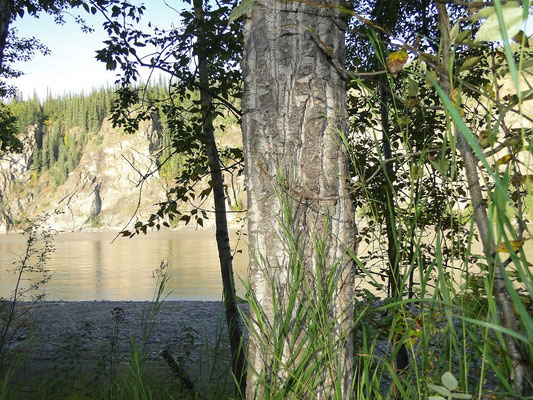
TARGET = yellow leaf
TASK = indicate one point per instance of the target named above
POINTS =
(504, 160)
(396, 61)
(413, 102)
(454, 96)
(515, 244)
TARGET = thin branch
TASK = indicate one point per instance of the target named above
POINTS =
(329, 52)
(140, 61)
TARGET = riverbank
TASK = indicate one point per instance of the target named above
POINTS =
(94, 337)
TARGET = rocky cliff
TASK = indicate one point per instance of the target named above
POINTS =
(104, 191)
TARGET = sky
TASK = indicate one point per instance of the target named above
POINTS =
(71, 66)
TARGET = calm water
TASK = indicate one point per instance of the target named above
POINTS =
(87, 266)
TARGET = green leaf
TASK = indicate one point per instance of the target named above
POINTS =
(462, 36)
(469, 63)
(240, 299)
(490, 30)
(436, 398)
(454, 32)
(244, 8)
(449, 381)
(111, 65)
(115, 11)
(497, 328)
(461, 396)
(413, 87)
(440, 390)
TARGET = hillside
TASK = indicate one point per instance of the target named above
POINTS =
(83, 173)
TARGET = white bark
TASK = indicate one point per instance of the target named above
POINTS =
(293, 105)
(5, 19)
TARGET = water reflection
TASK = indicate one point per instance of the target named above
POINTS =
(87, 266)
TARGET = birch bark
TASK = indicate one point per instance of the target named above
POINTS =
(5, 19)
(293, 104)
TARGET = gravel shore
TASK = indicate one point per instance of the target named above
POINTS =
(88, 334)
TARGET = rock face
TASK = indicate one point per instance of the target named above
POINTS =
(15, 172)
(106, 190)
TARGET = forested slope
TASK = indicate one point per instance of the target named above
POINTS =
(79, 169)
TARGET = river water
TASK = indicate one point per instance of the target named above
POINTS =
(87, 266)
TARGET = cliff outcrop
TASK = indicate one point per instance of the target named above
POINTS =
(104, 191)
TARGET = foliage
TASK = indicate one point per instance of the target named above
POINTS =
(429, 196)
(62, 126)
(8, 139)
(15, 49)
(447, 318)
(179, 106)
(449, 385)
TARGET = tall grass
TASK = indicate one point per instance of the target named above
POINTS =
(454, 326)
(300, 344)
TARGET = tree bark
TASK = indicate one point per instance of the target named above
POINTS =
(293, 104)
(224, 250)
(5, 20)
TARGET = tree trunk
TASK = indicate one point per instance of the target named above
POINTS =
(293, 105)
(5, 19)
(395, 291)
(224, 250)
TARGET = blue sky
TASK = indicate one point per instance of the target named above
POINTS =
(72, 67)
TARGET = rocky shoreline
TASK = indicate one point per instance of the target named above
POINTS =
(94, 335)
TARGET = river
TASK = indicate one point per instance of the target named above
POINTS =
(87, 266)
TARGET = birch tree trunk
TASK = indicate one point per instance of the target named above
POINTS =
(5, 19)
(293, 105)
